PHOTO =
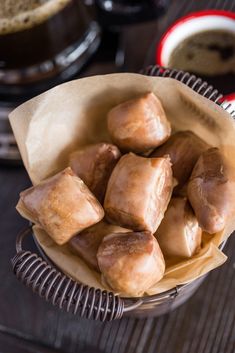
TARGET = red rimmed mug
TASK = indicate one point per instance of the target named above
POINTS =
(230, 98)
(189, 26)
(228, 102)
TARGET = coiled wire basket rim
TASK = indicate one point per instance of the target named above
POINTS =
(43, 276)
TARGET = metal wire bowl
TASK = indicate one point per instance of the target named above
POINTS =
(44, 278)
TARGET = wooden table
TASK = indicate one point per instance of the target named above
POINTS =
(205, 324)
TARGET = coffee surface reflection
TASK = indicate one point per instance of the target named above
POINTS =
(9, 8)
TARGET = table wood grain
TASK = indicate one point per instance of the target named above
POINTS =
(205, 324)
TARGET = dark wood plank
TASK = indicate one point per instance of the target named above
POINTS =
(19, 308)
(11, 343)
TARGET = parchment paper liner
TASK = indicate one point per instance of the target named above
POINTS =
(48, 127)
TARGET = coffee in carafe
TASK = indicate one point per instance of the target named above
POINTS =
(43, 38)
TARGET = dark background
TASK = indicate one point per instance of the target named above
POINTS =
(205, 324)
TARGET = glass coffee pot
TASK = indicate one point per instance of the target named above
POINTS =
(43, 40)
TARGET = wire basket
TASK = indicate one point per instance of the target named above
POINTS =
(45, 279)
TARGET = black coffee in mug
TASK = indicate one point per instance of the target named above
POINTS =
(206, 53)
(39, 38)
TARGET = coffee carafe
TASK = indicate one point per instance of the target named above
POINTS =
(42, 44)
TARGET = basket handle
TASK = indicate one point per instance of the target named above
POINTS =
(49, 283)
(192, 81)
